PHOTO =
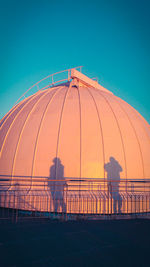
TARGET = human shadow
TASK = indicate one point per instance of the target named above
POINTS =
(57, 184)
(113, 170)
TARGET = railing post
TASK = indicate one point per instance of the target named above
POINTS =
(111, 193)
(146, 203)
(107, 197)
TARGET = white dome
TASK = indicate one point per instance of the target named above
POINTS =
(82, 126)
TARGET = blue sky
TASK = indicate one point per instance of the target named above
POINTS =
(110, 38)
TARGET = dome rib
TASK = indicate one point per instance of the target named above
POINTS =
(135, 136)
(100, 125)
(38, 133)
(21, 132)
(7, 116)
(60, 121)
(138, 115)
(107, 101)
(10, 120)
(29, 100)
(80, 119)
(143, 123)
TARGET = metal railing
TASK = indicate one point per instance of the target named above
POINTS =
(49, 81)
(44, 197)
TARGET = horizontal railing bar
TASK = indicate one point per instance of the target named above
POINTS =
(72, 179)
(51, 75)
(75, 190)
(75, 185)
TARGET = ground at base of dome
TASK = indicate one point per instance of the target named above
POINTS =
(16, 215)
(75, 243)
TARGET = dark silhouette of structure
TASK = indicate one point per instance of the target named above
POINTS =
(113, 170)
(56, 183)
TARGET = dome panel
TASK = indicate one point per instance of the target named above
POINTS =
(69, 135)
(7, 115)
(8, 120)
(24, 153)
(92, 157)
(141, 132)
(113, 146)
(129, 140)
(12, 136)
(46, 144)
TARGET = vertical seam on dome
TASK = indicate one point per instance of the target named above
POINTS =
(100, 126)
(136, 138)
(32, 98)
(21, 132)
(119, 132)
(38, 133)
(80, 143)
(60, 122)
(2, 121)
(141, 122)
(136, 114)
(80, 131)
(13, 110)
(9, 113)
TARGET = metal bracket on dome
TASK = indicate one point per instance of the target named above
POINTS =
(78, 79)
(83, 80)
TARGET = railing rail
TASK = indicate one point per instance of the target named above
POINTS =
(51, 80)
(86, 197)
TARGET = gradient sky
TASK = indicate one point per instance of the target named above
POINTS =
(110, 38)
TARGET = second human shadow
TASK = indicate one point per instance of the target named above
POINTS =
(113, 170)
(56, 184)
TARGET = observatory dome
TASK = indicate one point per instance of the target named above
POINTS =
(78, 123)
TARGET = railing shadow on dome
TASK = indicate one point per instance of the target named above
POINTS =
(76, 198)
(49, 81)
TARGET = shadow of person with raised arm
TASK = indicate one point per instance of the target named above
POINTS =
(56, 183)
(113, 170)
